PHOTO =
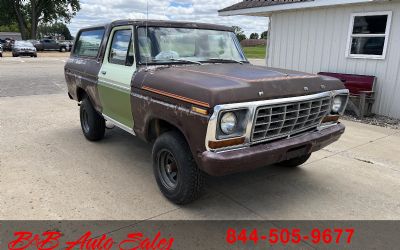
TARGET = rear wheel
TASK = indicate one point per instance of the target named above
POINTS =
(295, 162)
(92, 123)
(176, 173)
(63, 49)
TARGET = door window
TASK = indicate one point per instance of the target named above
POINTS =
(121, 50)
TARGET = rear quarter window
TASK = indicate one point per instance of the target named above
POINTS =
(88, 43)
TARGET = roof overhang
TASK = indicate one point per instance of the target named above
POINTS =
(267, 10)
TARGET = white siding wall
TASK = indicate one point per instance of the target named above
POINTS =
(315, 40)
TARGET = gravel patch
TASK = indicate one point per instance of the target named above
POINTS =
(377, 120)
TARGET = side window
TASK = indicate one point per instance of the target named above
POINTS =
(121, 50)
(369, 33)
(88, 43)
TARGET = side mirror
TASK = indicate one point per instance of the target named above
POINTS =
(130, 60)
(113, 53)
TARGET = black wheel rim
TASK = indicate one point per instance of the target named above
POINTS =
(85, 121)
(168, 169)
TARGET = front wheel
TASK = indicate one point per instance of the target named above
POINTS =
(62, 49)
(295, 162)
(176, 172)
(92, 123)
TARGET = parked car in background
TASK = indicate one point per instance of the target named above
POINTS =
(68, 44)
(23, 48)
(50, 44)
(36, 43)
(7, 45)
(1, 50)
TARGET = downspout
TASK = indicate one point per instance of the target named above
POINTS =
(268, 40)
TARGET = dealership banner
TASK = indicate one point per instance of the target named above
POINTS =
(153, 234)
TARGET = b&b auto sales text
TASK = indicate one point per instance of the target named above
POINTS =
(52, 240)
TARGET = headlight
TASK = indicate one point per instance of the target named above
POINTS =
(337, 104)
(232, 123)
(228, 123)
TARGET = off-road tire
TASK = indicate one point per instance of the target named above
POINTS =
(92, 123)
(190, 179)
(295, 162)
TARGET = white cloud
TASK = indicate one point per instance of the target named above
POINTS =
(95, 12)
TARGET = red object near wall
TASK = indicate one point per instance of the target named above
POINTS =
(354, 83)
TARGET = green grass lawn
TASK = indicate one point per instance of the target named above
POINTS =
(256, 52)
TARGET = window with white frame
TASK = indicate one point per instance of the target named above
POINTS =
(369, 35)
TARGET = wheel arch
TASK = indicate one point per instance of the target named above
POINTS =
(80, 93)
(157, 126)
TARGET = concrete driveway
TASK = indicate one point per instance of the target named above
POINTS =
(49, 171)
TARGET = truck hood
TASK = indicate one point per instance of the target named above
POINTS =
(213, 84)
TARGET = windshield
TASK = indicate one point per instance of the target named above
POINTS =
(23, 43)
(165, 45)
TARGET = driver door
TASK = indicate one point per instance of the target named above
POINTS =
(115, 77)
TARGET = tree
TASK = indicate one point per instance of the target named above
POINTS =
(9, 28)
(264, 35)
(5, 13)
(239, 33)
(29, 13)
(54, 30)
(254, 36)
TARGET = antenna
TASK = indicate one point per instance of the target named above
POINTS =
(147, 19)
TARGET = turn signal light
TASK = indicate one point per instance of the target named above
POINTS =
(200, 110)
(331, 118)
(225, 143)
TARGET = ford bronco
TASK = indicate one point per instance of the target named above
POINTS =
(189, 89)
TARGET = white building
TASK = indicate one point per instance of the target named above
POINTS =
(341, 36)
(10, 35)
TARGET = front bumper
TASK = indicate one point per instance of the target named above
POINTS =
(25, 53)
(228, 162)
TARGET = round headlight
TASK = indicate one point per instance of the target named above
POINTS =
(228, 123)
(336, 104)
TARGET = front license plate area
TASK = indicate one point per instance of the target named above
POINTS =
(296, 152)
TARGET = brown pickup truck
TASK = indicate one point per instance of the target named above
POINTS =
(189, 89)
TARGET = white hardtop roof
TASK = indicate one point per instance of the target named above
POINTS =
(267, 10)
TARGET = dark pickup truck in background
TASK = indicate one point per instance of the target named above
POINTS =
(188, 89)
(50, 44)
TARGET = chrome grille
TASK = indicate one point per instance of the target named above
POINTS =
(276, 121)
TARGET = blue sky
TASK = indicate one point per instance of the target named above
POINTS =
(178, 4)
(95, 12)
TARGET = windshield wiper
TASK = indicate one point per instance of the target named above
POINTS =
(185, 60)
(224, 60)
(177, 60)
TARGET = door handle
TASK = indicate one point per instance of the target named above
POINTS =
(104, 72)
